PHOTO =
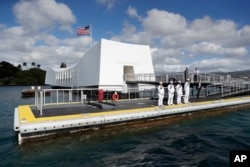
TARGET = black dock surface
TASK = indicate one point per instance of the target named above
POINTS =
(92, 107)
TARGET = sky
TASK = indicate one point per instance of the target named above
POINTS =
(212, 35)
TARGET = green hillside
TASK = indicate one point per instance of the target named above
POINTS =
(12, 75)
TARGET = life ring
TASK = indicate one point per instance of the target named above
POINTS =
(100, 95)
(115, 96)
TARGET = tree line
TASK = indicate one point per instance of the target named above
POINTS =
(20, 74)
(33, 64)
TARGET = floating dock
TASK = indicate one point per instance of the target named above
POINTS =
(30, 123)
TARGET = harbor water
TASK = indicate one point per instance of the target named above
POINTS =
(192, 141)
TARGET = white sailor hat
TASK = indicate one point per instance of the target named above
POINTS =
(171, 81)
(179, 81)
(188, 79)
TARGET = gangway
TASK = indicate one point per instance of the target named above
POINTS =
(156, 78)
(224, 85)
(235, 88)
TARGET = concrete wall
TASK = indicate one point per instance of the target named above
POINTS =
(89, 67)
(105, 64)
(116, 55)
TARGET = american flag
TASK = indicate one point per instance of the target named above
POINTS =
(83, 31)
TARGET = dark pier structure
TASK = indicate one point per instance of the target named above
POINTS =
(211, 84)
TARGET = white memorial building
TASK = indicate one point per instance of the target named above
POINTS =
(104, 67)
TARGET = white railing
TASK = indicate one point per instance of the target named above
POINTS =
(235, 88)
(203, 77)
(81, 96)
(39, 100)
(213, 90)
(217, 84)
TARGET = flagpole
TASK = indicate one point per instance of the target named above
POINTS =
(91, 35)
(87, 30)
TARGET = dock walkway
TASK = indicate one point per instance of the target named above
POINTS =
(99, 107)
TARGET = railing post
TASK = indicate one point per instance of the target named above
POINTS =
(70, 96)
(206, 91)
(83, 97)
(36, 98)
(222, 91)
(44, 97)
(57, 97)
(41, 102)
(166, 78)
(129, 94)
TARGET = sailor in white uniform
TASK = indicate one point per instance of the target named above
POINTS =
(186, 90)
(160, 94)
(179, 92)
(171, 91)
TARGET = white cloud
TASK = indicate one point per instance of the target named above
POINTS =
(132, 35)
(15, 39)
(33, 41)
(159, 22)
(132, 12)
(212, 48)
(242, 38)
(208, 29)
(38, 15)
(181, 43)
(223, 65)
(177, 43)
(108, 3)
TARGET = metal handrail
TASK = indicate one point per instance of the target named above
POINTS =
(235, 88)
(218, 85)
(203, 77)
(39, 100)
(80, 95)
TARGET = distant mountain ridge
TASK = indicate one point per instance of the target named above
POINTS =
(236, 74)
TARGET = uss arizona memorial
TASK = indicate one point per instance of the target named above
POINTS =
(116, 66)
(104, 67)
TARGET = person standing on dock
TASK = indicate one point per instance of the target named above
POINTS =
(170, 93)
(179, 92)
(186, 73)
(198, 89)
(196, 75)
(186, 90)
(160, 94)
